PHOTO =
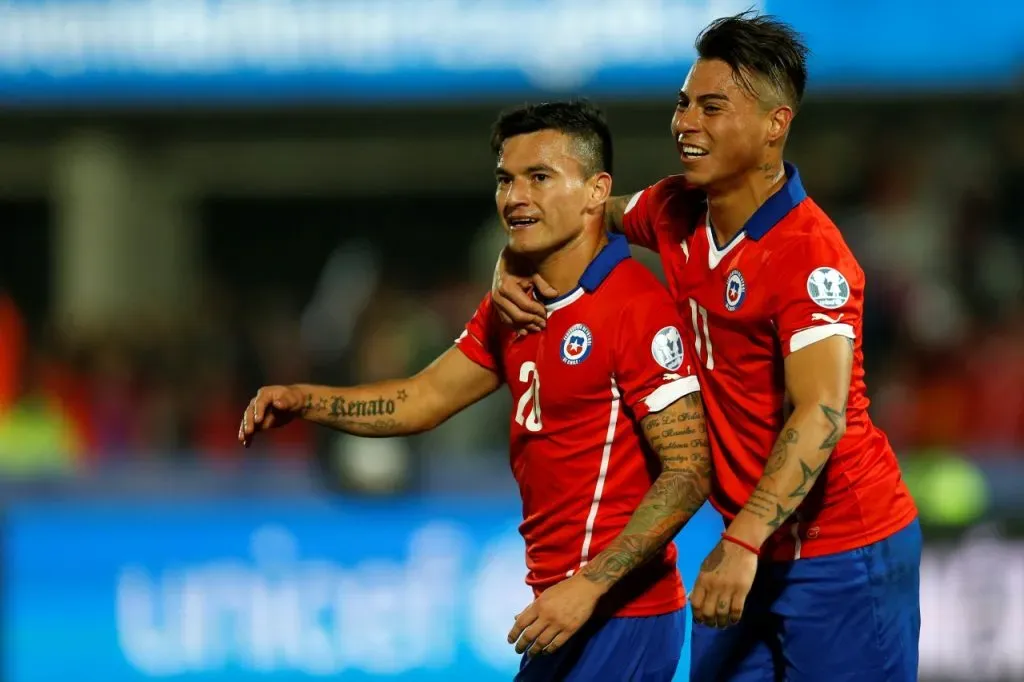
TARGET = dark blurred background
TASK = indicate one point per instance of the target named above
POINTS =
(198, 198)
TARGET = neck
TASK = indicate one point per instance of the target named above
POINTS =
(563, 268)
(730, 209)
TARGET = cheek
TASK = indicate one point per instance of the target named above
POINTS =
(735, 140)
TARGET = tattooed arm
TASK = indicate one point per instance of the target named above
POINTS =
(679, 437)
(614, 210)
(818, 382)
(388, 408)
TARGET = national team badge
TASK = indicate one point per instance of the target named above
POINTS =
(667, 348)
(735, 290)
(576, 344)
(828, 288)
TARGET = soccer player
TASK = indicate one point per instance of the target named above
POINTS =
(821, 551)
(608, 442)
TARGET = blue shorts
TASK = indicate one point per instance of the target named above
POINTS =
(620, 649)
(849, 617)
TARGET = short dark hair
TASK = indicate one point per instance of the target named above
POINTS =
(758, 45)
(579, 118)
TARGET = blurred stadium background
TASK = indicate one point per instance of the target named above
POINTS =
(198, 197)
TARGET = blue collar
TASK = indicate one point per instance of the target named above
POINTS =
(778, 206)
(613, 253)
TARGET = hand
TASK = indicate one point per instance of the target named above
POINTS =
(273, 406)
(511, 295)
(555, 616)
(723, 584)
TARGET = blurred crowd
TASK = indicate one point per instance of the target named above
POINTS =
(935, 219)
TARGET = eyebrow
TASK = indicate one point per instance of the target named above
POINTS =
(537, 168)
(704, 99)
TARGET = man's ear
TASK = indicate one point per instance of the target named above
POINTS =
(778, 123)
(600, 189)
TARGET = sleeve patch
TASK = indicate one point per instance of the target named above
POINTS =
(667, 348)
(828, 288)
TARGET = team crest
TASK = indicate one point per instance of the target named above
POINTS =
(576, 344)
(735, 290)
(667, 348)
(828, 288)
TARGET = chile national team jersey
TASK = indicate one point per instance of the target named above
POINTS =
(786, 281)
(612, 353)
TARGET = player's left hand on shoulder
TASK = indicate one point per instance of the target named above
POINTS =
(555, 616)
(722, 585)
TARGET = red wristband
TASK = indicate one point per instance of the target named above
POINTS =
(750, 548)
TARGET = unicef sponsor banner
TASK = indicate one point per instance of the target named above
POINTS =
(75, 51)
(412, 591)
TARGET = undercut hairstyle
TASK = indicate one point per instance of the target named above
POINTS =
(759, 48)
(580, 119)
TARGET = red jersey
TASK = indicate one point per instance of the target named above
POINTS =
(787, 280)
(611, 354)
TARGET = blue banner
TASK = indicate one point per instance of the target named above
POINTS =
(232, 592)
(418, 591)
(279, 51)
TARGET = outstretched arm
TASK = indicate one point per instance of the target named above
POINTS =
(679, 436)
(387, 408)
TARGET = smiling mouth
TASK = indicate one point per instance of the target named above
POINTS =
(521, 223)
(690, 151)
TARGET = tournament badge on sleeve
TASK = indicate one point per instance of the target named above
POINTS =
(828, 288)
(667, 348)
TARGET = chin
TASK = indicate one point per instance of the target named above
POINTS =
(695, 179)
(523, 244)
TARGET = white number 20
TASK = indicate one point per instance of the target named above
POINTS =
(531, 397)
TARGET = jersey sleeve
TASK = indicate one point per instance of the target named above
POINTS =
(652, 367)
(821, 293)
(479, 340)
(646, 207)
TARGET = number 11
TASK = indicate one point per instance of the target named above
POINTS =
(704, 340)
